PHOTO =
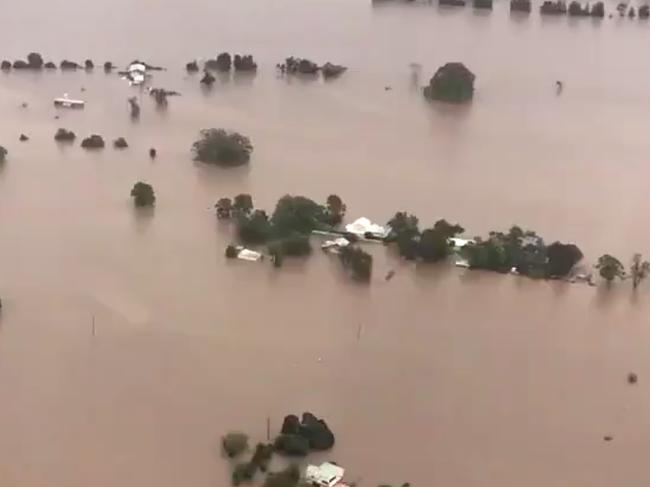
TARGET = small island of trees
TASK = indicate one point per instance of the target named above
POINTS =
(453, 83)
(143, 195)
(221, 147)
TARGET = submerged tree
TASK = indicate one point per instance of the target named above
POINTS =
(357, 261)
(561, 259)
(335, 209)
(404, 230)
(297, 214)
(218, 146)
(254, 228)
(610, 268)
(143, 194)
(234, 443)
(224, 208)
(243, 204)
(3, 154)
(639, 269)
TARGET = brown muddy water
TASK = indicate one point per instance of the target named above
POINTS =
(458, 379)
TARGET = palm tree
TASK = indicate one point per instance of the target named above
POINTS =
(639, 270)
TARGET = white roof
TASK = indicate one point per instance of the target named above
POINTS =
(327, 474)
(250, 255)
(460, 242)
(363, 225)
(137, 67)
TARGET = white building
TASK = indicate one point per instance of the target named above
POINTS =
(326, 475)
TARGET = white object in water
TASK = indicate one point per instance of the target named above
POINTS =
(249, 255)
(326, 475)
(363, 227)
(334, 246)
(66, 102)
(137, 74)
(459, 243)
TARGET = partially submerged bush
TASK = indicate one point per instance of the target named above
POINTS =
(231, 252)
(218, 146)
(93, 142)
(357, 261)
(453, 83)
(288, 477)
(292, 445)
(63, 135)
(243, 472)
(143, 194)
(3, 154)
(234, 444)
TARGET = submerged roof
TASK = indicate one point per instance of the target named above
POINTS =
(363, 225)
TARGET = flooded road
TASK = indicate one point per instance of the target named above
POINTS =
(437, 377)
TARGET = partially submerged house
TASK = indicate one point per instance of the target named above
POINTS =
(326, 474)
(364, 228)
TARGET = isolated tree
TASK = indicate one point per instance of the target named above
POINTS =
(3, 154)
(143, 194)
(218, 146)
(610, 268)
(639, 270)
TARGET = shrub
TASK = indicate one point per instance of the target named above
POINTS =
(231, 252)
(293, 445)
(357, 261)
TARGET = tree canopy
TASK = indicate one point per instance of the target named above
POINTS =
(221, 147)
(297, 214)
(610, 268)
(143, 194)
(234, 443)
(357, 261)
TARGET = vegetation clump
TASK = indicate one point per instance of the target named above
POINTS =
(3, 154)
(357, 261)
(221, 147)
(452, 83)
(63, 135)
(234, 444)
(94, 141)
(610, 268)
(143, 194)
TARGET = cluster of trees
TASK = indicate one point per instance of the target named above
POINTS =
(299, 437)
(287, 229)
(143, 194)
(523, 251)
(430, 245)
(222, 147)
(610, 268)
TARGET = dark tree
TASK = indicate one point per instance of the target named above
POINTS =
(358, 262)
(231, 252)
(93, 142)
(254, 228)
(610, 268)
(453, 82)
(243, 472)
(218, 146)
(292, 445)
(433, 245)
(335, 209)
(243, 203)
(288, 477)
(3, 154)
(143, 194)
(297, 214)
(234, 443)
(63, 135)
(34, 60)
(639, 270)
(295, 245)
(224, 208)
(561, 259)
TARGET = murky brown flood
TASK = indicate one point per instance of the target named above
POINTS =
(467, 380)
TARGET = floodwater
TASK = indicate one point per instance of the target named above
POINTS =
(437, 377)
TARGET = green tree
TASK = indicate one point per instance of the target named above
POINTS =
(234, 443)
(295, 245)
(447, 229)
(218, 146)
(243, 203)
(243, 472)
(3, 154)
(433, 245)
(143, 194)
(335, 209)
(288, 477)
(610, 268)
(297, 214)
(224, 208)
(357, 261)
(403, 223)
(561, 259)
(639, 269)
(254, 228)
(231, 252)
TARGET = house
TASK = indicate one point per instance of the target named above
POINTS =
(364, 228)
(326, 475)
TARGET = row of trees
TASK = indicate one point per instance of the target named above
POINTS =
(610, 268)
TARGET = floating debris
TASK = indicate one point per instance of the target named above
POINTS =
(66, 102)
